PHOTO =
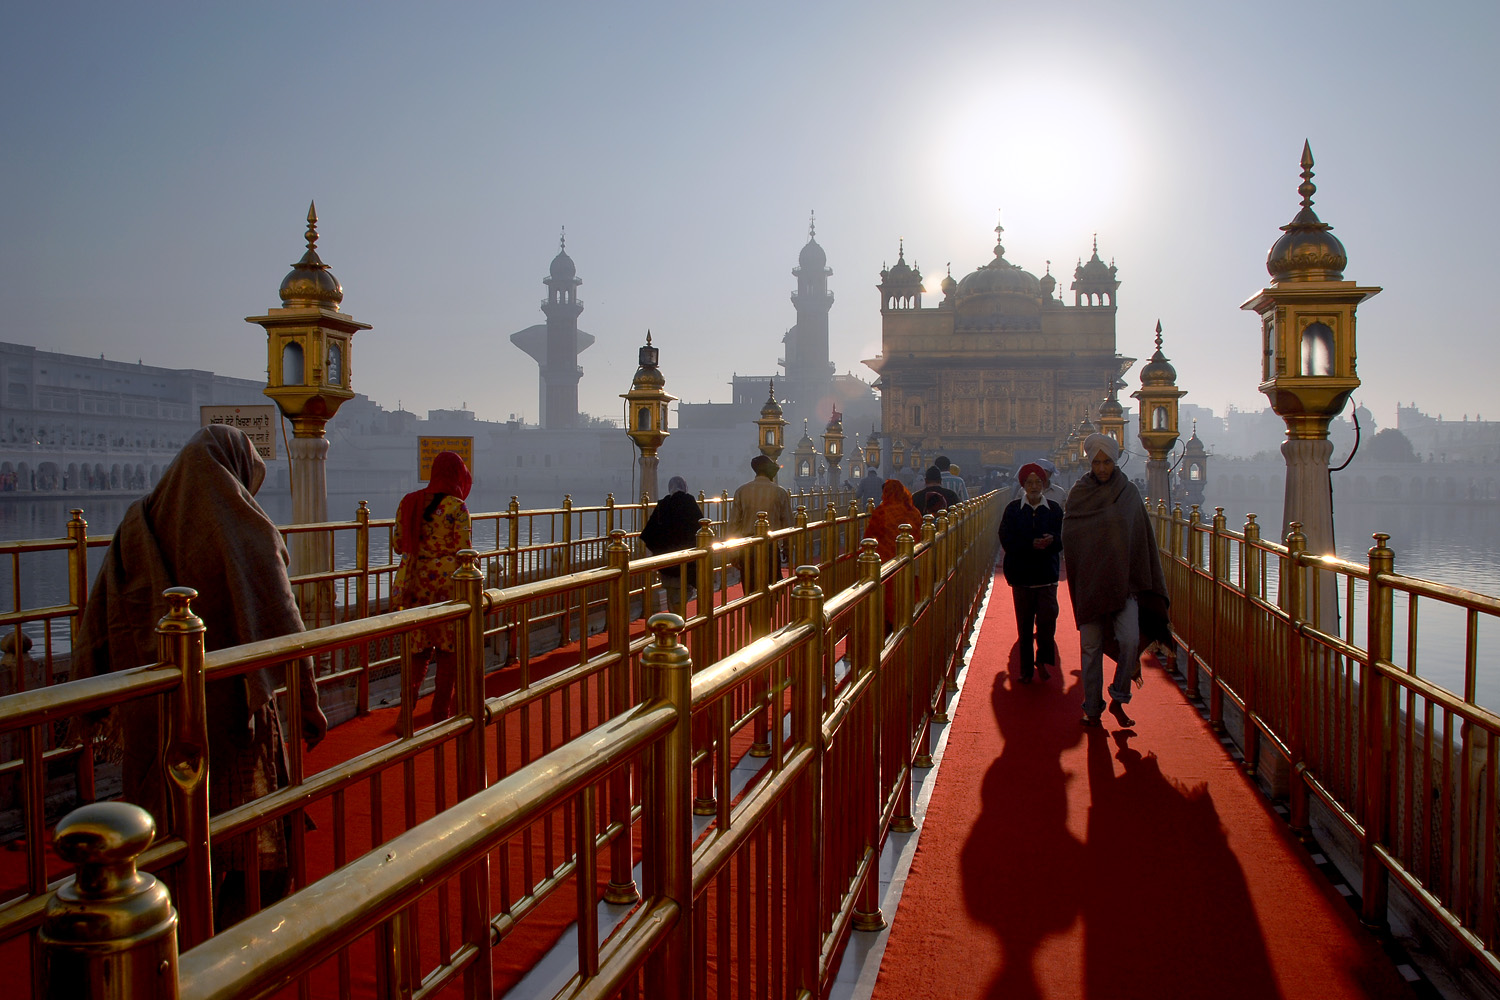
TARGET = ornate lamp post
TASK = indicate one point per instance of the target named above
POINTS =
(1308, 366)
(646, 413)
(916, 458)
(1112, 414)
(309, 357)
(805, 458)
(833, 446)
(898, 455)
(1158, 431)
(770, 428)
(872, 449)
(1194, 469)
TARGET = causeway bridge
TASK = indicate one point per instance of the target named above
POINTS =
(705, 794)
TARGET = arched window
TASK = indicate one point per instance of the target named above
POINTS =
(643, 419)
(1195, 472)
(1317, 349)
(291, 364)
(335, 365)
(916, 415)
(804, 468)
(1159, 418)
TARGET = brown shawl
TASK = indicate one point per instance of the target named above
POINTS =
(1110, 549)
(201, 528)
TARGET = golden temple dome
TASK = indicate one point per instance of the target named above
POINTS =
(1000, 277)
(1306, 251)
(310, 283)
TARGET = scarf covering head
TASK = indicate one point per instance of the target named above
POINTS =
(449, 477)
(895, 509)
(1095, 443)
(201, 528)
(1109, 546)
(1032, 469)
(676, 485)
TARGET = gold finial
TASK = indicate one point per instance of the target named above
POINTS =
(812, 226)
(1158, 335)
(648, 338)
(562, 240)
(999, 232)
(312, 227)
(1096, 244)
(1307, 188)
(900, 249)
(1049, 267)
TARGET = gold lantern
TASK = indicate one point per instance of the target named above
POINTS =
(771, 428)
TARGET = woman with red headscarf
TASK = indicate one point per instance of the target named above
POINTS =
(432, 524)
(895, 509)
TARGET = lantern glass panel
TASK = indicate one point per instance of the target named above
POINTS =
(643, 419)
(1317, 349)
(335, 365)
(1159, 419)
(291, 364)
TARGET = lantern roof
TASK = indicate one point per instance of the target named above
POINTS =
(1306, 251)
(310, 282)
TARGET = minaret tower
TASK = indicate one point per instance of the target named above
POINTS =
(556, 345)
(808, 370)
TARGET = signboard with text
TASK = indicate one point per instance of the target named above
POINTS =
(429, 448)
(258, 422)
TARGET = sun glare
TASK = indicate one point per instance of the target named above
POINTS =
(1040, 145)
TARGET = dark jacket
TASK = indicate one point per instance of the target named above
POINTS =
(673, 526)
(919, 497)
(1020, 525)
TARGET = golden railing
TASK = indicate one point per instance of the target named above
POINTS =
(638, 742)
(1405, 767)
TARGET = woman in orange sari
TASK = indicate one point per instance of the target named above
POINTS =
(432, 524)
(894, 510)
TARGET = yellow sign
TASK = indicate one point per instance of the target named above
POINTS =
(258, 422)
(429, 448)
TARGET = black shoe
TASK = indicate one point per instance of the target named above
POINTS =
(1042, 672)
(1118, 711)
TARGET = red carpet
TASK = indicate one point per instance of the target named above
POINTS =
(1059, 862)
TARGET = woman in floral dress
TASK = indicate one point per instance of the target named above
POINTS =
(432, 524)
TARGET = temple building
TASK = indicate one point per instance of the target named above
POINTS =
(1001, 369)
(556, 344)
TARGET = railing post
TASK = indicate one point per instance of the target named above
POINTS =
(609, 514)
(666, 675)
(78, 595)
(468, 586)
(801, 545)
(705, 650)
(621, 889)
(1293, 596)
(179, 641)
(110, 933)
(767, 560)
(807, 912)
(1374, 726)
(362, 602)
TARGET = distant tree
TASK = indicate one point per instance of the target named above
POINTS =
(1390, 445)
(596, 423)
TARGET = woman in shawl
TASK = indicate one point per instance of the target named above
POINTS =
(1114, 571)
(895, 509)
(201, 528)
(432, 524)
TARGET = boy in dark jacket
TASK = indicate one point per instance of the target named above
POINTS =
(1031, 532)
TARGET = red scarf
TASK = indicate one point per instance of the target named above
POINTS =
(450, 477)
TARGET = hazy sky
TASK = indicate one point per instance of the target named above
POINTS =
(158, 161)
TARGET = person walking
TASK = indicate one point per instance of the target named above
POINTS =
(201, 527)
(1113, 569)
(1031, 533)
(933, 483)
(672, 527)
(894, 510)
(760, 494)
(432, 524)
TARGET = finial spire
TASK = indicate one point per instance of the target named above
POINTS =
(812, 226)
(1096, 244)
(312, 226)
(648, 338)
(562, 240)
(1158, 335)
(999, 233)
(900, 249)
(1307, 188)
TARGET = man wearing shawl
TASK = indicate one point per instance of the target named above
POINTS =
(760, 494)
(432, 524)
(1113, 571)
(201, 528)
